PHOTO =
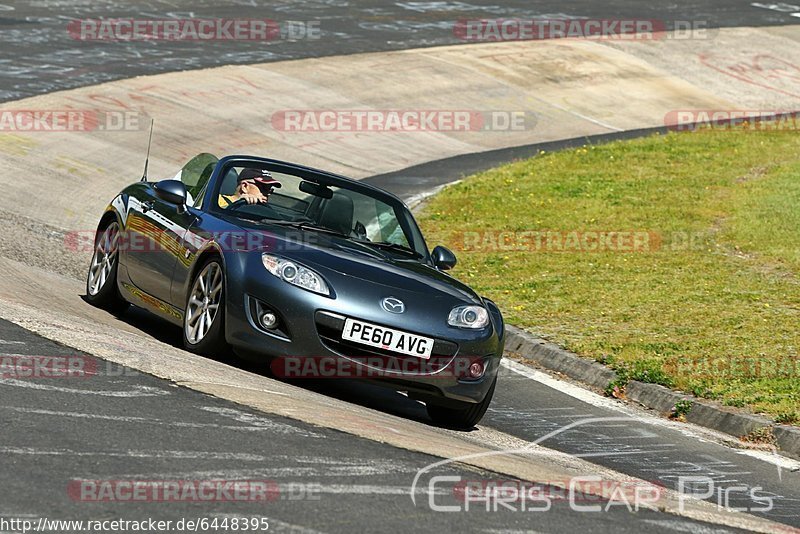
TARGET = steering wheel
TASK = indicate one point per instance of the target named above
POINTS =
(236, 204)
(264, 209)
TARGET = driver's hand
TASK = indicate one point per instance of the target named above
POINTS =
(254, 199)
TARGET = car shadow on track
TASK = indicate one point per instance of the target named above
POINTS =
(353, 391)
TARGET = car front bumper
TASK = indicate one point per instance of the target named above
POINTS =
(307, 343)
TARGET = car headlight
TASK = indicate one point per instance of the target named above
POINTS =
(468, 317)
(295, 274)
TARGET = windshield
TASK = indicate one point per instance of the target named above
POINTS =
(283, 198)
(195, 175)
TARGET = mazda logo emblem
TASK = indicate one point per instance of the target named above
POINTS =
(393, 305)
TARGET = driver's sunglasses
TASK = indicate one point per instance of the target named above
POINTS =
(266, 191)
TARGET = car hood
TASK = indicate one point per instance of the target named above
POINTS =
(344, 261)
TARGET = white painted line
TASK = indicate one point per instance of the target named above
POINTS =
(137, 391)
(685, 526)
(283, 526)
(188, 384)
(265, 425)
(620, 453)
(772, 458)
(413, 201)
(592, 398)
(177, 455)
(583, 395)
(9, 342)
(257, 421)
(365, 489)
(288, 470)
(584, 117)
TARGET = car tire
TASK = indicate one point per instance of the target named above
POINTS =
(204, 316)
(101, 279)
(461, 417)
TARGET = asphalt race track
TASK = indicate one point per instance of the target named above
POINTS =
(123, 425)
(126, 426)
(38, 55)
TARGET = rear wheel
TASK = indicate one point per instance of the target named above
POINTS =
(462, 417)
(101, 280)
(203, 321)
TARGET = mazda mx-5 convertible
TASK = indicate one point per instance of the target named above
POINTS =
(323, 275)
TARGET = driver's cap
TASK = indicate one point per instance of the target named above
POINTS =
(261, 177)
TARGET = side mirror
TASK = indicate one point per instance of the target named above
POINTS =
(172, 191)
(443, 258)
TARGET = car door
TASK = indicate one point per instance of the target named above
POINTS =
(156, 231)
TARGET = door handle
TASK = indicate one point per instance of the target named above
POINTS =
(147, 206)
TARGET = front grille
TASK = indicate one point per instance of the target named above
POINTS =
(329, 329)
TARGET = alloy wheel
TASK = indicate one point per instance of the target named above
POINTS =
(104, 258)
(204, 300)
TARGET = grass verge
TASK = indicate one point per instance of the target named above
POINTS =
(674, 259)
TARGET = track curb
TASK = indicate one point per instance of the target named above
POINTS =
(653, 396)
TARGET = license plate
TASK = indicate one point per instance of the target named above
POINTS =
(387, 338)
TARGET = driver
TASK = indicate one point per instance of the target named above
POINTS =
(253, 185)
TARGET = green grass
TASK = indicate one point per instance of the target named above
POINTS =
(711, 307)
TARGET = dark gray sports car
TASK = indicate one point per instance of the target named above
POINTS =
(327, 276)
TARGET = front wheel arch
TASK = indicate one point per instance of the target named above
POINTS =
(202, 258)
(462, 415)
(107, 218)
(108, 296)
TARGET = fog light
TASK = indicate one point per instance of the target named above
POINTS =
(269, 320)
(476, 370)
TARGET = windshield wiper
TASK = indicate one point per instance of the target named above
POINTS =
(317, 228)
(246, 216)
(302, 225)
(390, 246)
(309, 225)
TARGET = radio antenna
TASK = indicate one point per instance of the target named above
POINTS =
(147, 159)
